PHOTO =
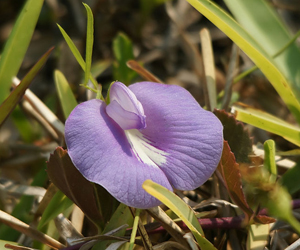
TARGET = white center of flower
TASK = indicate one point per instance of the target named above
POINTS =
(143, 149)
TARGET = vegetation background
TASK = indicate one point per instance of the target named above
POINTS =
(163, 36)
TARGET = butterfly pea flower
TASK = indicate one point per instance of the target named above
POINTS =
(146, 131)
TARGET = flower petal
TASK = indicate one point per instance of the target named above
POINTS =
(124, 108)
(190, 137)
(100, 150)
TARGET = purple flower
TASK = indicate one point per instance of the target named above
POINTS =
(147, 131)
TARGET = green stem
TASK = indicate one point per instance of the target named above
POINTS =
(89, 88)
(134, 228)
(294, 223)
(287, 44)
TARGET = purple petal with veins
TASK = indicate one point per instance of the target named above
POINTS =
(148, 131)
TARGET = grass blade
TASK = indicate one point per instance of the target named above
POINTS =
(76, 54)
(89, 42)
(57, 205)
(181, 209)
(265, 121)
(209, 67)
(256, 53)
(23, 208)
(17, 44)
(65, 94)
(260, 19)
(10, 103)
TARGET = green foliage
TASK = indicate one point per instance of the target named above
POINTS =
(13, 99)
(134, 228)
(123, 52)
(89, 42)
(57, 205)
(230, 172)
(49, 228)
(4, 242)
(77, 54)
(99, 67)
(17, 44)
(69, 180)
(262, 22)
(28, 130)
(236, 135)
(272, 196)
(121, 216)
(253, 35)
(180, 208)
(65, 94)
(251, 47)
(290, 179)
(269, 162)
(263, 120)
(23, 208)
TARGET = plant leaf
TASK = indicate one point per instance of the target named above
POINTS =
(22, 209)
(89, 42)
(236, 135)
(17, 44)
(58, 204)
(209, 67)
(168, 224)
(265, 121)
(180, 208)
(139, 69)
(65, 94)
(121, 216)
(123, 52)
(269, 161)
(290, 179)
(261, 21)
(230, 172)
(68, 179)
(99, 67)
(13, 99)
(242, 38)
(76, 53)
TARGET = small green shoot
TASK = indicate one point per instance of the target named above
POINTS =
(134, 228)
(89, 42)
(269, 162)
(79, 58)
